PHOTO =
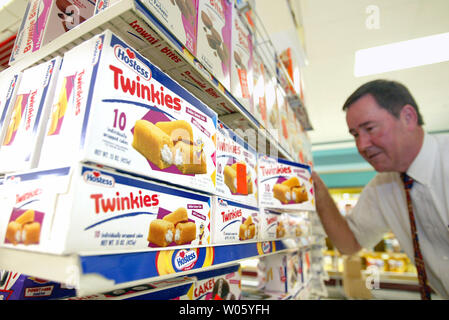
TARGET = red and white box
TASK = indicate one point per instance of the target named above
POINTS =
(114, 107)
(272, 225)
(214, 40)
(236, 167)
(22, 141)
(284, 185)
(9, 82)
(86, 209)
(242, 61)
(45, 20)
(259, 106)
(283, 272)
(233, 222)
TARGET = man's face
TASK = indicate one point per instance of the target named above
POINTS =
(378, 134)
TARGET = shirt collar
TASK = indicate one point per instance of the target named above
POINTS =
(421, 168)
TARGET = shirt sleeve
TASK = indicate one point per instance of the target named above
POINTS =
(366, 220)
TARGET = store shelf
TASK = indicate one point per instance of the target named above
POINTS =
(100, 273)
(114, 18)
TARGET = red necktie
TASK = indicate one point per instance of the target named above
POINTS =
(419, 261)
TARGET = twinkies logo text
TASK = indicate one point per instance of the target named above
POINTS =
(128, 57)
(185, 260)
(95, 177)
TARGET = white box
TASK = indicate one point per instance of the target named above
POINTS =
(218, 284)
(9, 82)
(283, 272)
(272, 225)
(85, 209)
(101, 5)
(45, 20)
(180, 17)
(241, 61)
(109, 97)
(233, 222)
(259, 106)
(284, 185)
(215, 38)
(22, 142)
(283, 118)
(236, 158)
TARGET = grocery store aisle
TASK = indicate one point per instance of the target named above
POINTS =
(337, 293)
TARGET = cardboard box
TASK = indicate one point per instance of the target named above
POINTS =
(180, 17)
(218, 284)
(241, 61)
(17, 286)
(233, 222)
(114, 107)
(22, 141)
(9, 82)
(214, 42)
(272, 225)
(236, 167)
(101, 5)
(85, 209)
(284, 185)
(283, 272)
(259, 110)
(45, 20)
(283, 119)
(352, 266)
(169, 289)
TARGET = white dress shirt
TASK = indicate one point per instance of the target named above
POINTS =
(382, 207)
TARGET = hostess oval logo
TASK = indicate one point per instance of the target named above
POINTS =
(266, 247)
(95, 177)
(128, 57)
(185, 260)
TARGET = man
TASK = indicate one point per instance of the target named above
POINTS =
(386, 124)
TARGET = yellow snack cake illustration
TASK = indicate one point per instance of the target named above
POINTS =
(280, 230)
(282, 192)
(292, 182)
(243, 232)
(26, 217)
(299, 194)
(161, 232)
(153, 143)
(247, 229)
(252, 231)
(31, 233)
(13, 232)
(178, 130)
(185, 232)
(59, 108)
(15, 119)
(179, 215)
(248, 221)
(189, 159)
(230, 178)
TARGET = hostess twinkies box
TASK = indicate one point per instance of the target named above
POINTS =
(214, 39)
(233, 222)
(17, 286)
(272, 225)
(218, 284)
(113, 107)
(272, 122)
(236, 167)
(169, 289)
(22, 141)
(259, 101)
(86, 209)
(283, 119)
(283, 272)
(180, 17)
(9, 82)
(241, 61)
(284, 185)
(45, 20)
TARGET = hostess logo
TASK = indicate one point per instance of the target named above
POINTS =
(128, 57)
(222, 203)
(185, 260)
(96, 178)
(266, 247)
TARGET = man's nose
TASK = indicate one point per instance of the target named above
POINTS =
(363, 142)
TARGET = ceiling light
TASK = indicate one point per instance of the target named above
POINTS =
(402, 55)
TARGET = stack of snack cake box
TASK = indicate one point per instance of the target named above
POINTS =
(103, 152)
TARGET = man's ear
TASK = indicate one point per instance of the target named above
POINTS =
(409, 116)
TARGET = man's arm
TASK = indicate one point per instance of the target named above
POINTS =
(333, 222)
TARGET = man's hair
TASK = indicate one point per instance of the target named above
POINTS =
(390, 95)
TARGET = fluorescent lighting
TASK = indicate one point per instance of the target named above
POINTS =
(402, 55)
(4, 3)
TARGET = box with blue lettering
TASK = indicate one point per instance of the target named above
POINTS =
(87, 209)
(114, 107)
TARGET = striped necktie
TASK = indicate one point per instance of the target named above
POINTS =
(419, 261)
